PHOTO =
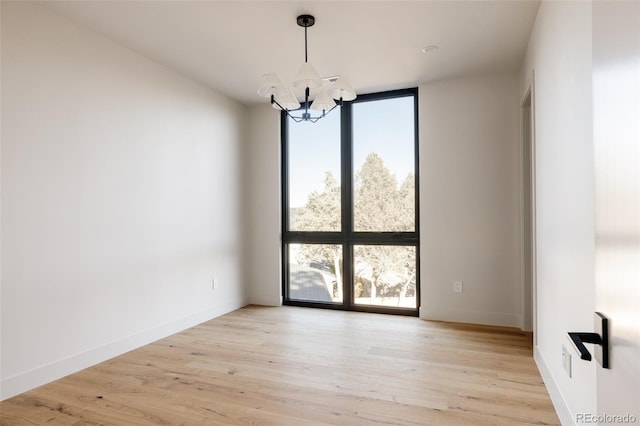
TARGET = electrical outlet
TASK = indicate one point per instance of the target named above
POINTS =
(457, 286)
(566, 360)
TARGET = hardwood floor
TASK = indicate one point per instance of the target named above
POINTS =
(298, 366)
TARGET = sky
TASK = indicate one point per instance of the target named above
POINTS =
(385, 127)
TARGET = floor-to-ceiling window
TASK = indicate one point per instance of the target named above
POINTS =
(350, 206)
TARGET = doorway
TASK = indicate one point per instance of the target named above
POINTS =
(528, 214)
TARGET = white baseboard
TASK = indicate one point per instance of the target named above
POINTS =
(266, 301)
(472, 317)
(38, 376)
(558, 401)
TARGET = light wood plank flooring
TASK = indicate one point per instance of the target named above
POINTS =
(297, 366)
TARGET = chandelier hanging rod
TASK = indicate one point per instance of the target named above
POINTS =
(305, 21)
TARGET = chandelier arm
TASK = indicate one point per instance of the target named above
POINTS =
(305, 115)
(332, 108)
(324, 113)
(286, 111)
(296, 119)
(273, 101)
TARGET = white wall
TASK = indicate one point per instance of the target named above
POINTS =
(469, 173)
(470, 200)
(616, 139)
(559, 55)
(262, 214)
(120, 183)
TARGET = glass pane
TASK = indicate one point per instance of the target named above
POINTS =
(385, 275)
(384, 165)
(314, 174)
(315, 272)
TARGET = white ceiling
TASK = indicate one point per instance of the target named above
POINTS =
(229, 45)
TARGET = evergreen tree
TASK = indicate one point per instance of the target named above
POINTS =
(380, 205)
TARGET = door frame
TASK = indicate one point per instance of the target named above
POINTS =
(528, 143)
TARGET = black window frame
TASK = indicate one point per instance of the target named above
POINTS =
(347, 237)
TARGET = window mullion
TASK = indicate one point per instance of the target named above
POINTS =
(346, 136)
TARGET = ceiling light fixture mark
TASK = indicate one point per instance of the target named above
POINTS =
(429, 49)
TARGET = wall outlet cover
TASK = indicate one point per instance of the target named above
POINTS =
(566, 360)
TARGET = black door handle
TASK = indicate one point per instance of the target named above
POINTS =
(600, 338)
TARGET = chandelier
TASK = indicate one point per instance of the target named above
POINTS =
(329, 92)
